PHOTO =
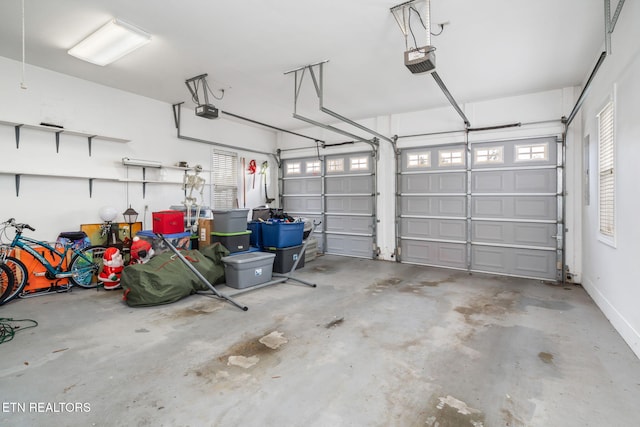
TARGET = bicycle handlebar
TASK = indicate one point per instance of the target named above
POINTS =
(19, 227)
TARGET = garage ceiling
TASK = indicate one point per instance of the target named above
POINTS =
(489, 49)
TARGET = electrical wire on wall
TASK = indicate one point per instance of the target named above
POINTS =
(23, 84)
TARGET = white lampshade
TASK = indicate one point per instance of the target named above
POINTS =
(108, 213)
(109, 43)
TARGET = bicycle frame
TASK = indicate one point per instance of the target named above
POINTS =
(22, 242)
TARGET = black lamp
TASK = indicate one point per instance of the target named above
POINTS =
(130, 216)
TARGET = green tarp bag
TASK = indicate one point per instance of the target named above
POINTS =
(166, 278)
(215, 253)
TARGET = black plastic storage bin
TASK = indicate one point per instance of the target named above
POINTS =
(285, 258)
(234, 242)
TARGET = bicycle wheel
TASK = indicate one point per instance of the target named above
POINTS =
(20, 276)
(6, 281)
(86, 265)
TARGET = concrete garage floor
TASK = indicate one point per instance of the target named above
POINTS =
(375, 344)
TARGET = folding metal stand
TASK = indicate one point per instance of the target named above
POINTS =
(200, 276)
(282, 278)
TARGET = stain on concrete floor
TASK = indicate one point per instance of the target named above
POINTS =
(334, 323)
(323, 268)
(252, 352)
(199, 308)
(451, 412)
(548, 304)
(546, 357)
(497, 305)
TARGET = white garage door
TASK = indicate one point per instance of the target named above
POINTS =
(495, 209)
(340, 191)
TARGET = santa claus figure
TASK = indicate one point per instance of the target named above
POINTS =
(113, 265)
(141, 251)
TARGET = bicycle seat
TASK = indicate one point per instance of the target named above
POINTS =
(73, 235)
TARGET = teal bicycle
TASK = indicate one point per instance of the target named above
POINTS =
(82, 270)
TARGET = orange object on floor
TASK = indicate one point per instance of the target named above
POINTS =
(37, 282)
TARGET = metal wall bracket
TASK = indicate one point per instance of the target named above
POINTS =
(318, 85)
(610, 22)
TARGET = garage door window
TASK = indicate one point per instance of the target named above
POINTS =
(450, 158)
(335, 165)
(313, 167)
(293, 168)
(606, 190)
(532, 152)
(359, 163)
(419, 160)
(488, 155)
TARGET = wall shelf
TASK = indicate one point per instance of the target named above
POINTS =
(57, 131)
(90, 179)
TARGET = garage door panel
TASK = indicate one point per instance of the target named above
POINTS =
(514, 207)
(535, 181)
(514, 261)
(349, 224)
(303, 204)
(426, 228)
(514, 233)
(349, 204)
(347, 185)
(434, 183)
(434, 253)
(303, 186)
(515, 181)
(454, 206)
(349, 245)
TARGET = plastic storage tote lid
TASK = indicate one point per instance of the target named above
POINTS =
(239, 233)
(246, 258)
(223, 211)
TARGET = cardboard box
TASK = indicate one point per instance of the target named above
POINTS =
(205, 227)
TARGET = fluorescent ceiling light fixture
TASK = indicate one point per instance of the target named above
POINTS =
(111, 42)
(138, 162)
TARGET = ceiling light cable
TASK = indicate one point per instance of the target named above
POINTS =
(23, 85)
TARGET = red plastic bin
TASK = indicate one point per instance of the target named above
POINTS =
(168, 222)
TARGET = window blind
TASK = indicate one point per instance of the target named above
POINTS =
(606, 190)
(225, 179)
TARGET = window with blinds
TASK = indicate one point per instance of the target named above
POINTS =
(224, 177)
(606, 190)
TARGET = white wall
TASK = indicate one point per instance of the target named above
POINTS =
(610, 273)
(52, 205)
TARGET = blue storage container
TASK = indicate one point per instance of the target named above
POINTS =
(178, 240)
(256, 233)
(282, 234)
